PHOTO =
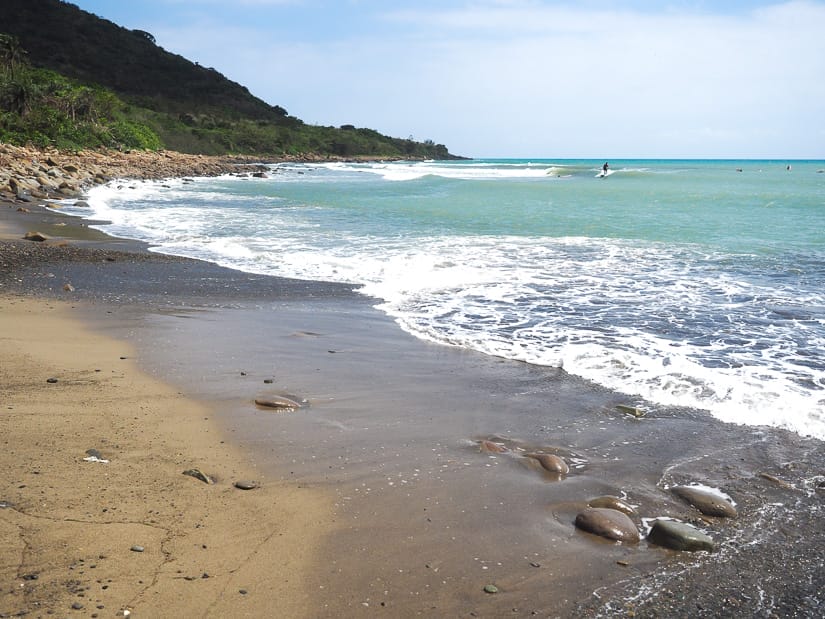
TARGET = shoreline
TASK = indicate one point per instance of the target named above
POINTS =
(465, 518)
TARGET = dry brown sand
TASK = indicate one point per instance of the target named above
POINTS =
(68, 526)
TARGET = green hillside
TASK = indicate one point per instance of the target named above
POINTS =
(55, 56)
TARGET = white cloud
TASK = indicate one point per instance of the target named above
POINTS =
(527, 78)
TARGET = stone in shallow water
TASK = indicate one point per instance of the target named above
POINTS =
(612, 502)
(608, 523)
(706, 501)
(679, 536)
(551, 463)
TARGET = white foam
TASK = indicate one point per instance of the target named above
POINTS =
(623, 315)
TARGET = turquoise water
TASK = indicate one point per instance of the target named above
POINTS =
(692, 283)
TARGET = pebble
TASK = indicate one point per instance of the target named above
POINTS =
(679, 536)
(137, 549)
(490, 589)
(246, 484)
(608, 523)
(51, 380)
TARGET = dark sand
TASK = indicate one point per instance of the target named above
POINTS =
(423, 519)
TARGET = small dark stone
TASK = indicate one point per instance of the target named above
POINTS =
(30, 577)
(51, 380)
(242, 591)
(77, 606)
(246, 484)
(268, 381)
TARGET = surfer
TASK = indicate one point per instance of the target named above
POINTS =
(604, 169)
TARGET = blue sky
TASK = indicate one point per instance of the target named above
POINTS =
(522, 78)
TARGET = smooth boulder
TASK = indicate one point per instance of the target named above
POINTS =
(706, 501)
(609, 523)
(551, 463)
(679, 536)
(612, 502)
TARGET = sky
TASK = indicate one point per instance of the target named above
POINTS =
(522, 78)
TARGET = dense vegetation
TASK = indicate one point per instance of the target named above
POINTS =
(74, 80)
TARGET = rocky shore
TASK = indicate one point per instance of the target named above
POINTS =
(29, 174)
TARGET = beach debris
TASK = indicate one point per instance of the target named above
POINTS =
(93, 455)
(612, 502)
(23, 209)
(5, 504)
(137, 548)
(550, 462)
(635, 411)
(608, 523)
(491, 447)
(709, 501)
(35, 236)
(278, 403)
(490, 589)
(68, 287)
(679, 536)
(246, 484)
(198, 474)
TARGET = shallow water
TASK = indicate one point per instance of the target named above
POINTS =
(687, 283)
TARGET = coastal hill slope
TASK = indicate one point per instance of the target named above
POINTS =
(191, 108)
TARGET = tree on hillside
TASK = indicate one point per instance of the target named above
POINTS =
(11, 53)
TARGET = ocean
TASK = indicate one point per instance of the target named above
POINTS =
(691, 283)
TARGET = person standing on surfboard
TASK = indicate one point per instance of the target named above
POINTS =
(604, 169)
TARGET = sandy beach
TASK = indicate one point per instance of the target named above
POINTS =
(402, 486)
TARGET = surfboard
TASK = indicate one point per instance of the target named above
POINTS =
(602, 174)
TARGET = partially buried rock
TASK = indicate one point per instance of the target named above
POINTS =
(679, 536)
(491, 447)
(35, 236)
(278, 403)
(551, 463)
(612, 502)
(245, 484)
(706, 500)
(197, 474)
(608, 523)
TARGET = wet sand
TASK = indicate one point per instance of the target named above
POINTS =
(414, 517)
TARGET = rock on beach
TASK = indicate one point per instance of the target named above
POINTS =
(608, 523)
(706, 501)
(679, 536)
(551, 463)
